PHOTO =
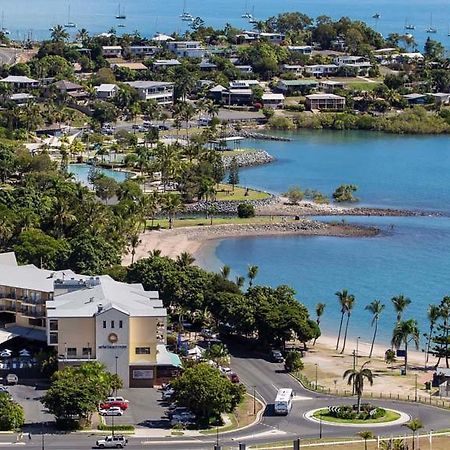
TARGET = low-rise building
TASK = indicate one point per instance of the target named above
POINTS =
(20, 82)
(141, 51)
(21, 98)
(238, 97)
(186, 49)
(329, 86)
(106, 91)
(324, 102)
(359, 64)
(244, 68)
(320, 70)
(112, 51)
(301, 49)
(129, 65)
(88, 319)
(243, 84)
(272, 100)
(290, 87)
(164, 63)
(297, 69)
(160, 91)
(415, 98)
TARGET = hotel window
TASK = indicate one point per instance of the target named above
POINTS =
(112, 324)
(53, 324)
(104, 324)
(53, 338)
(71, 352)
(142, 350)
(120, 324)
(87, 352)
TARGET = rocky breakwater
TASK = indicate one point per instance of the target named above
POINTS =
(247, 158)
(226, 207)
(262, 136)
(304, 227)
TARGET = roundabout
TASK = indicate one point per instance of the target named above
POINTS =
(390, 418)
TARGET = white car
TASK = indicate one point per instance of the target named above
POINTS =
(117, 441)
(113, 411)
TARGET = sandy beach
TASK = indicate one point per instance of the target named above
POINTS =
(193, 239)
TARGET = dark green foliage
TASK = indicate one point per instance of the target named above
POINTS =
(11, 413)
(293, 362)
(245, 210)
(344, 193)
(233, 176)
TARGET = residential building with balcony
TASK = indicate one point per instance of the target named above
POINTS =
(323, 102)
(161, 92)
(186, 49)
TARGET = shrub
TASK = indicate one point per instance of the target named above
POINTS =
(103, 427)
(293, 362)
(294, 195)
(245, 210)
(281, 123)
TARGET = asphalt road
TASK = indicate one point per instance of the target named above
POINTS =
(266, 378)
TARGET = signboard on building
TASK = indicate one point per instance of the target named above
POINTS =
(141, 374)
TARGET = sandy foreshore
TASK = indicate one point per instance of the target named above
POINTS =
(192, 239)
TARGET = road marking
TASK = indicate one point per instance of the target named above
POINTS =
(276, 388)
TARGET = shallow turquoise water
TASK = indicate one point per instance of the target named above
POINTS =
(25, 17)
(81, 173)
(391, 171)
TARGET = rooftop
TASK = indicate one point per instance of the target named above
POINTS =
(18, 79)
(148, 84)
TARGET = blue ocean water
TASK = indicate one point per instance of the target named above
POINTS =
(24, 17)
(412, 258)
(81, 173)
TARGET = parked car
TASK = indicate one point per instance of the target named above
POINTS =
(12, 378)
(113, 411)
(117, 441)
(276, 356)
(115, 401)
(233, 377)
(177, 410)
(167, 394)
(208, 334)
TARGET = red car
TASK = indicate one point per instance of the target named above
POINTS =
(233, 377)
(115, 401)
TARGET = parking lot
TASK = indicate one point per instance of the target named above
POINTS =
(145, 409)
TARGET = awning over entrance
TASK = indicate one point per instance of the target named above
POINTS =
(5, 336)
(166, 358)
(33, 334)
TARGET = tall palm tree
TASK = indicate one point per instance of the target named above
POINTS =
(376, 308)
(400, 303)
(171, 205)
(366, 435)
(240, 280)
(348, 309)
(414, 425)
(251, 274)
(444, 314)
(185, 259)
(225, 271)
(433, 314)
(343, 298)
(356, 378)
(404, 332)
(134, 243)
(59, 34)
(320, 309)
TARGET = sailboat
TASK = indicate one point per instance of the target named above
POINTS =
(186, 16)
(252, 18)
(246, 14)
(121, 15)
(376, 16)
(430, 29)
(69, 24)
(409, 26)
(3, 29)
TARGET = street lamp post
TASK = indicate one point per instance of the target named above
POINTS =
(415, 388)
(357, 346)
(254, 400)
(316, 375)
(112, 417)
(320, 427)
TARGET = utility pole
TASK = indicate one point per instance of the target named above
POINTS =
(254, 400)
(316, 375)
(415, 388)
(354, 368)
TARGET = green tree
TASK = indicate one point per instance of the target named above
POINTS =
(414, 425)
(433, 315)
(348, 309)
(434, 50)
(344, 297)
(59, 34)
(320, 309)
(356, 378)
(171, 204)
(251, 274)
(35, 247)
(8, 162)
(233, 176)
(344, 193)
(185, 259)
(105, 187)
(400, 302)
(293, 362)
(375, 308)
(245, 210)
(404, 332)
(205, 391)
(12, 415)
(219, 354)
(295, 195)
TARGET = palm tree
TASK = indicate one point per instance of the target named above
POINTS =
(240, 280)
(225, 271)
(433, 314)
(320, 309)
(400, 303)
(444, 314)
(365, 435)
(348, 308)
(356, 378)
(251, 274)
(185, 259)
(404, 332)
(83, 36)
(414, 425)
(171, 205)
(134, 242)
(343, 298)
(59, 34)
(376, 308)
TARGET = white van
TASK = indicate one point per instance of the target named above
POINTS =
(283, 401)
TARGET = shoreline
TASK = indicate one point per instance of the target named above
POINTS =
(194, 239)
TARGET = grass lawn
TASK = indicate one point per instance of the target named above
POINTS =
(390, 416)
(237, 151)
(202, 221)
(225, 192)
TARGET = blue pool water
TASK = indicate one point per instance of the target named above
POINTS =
(413, 258)
(81, 173)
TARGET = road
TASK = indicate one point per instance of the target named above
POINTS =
(8, 56)
(266, 378)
